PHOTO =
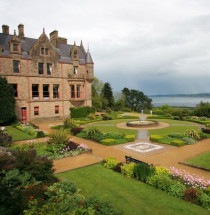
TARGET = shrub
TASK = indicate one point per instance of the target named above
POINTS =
(117, 168)
(101, 207)
(110, 162)
(143, 171)
(204, 200)
(191, 194)
(161, 170)
(70, 146)
(59, 137)
(76, 131)
(69, 123)
(130, 138)
(82, 134)
(155, 138)
(206, 130)
(109, 141)
(128, 169)
(91, 116)
(40, 134)
(176, 135)
(188, 140)
(92, 133)
(5, 139)
(19, 127)
(162, 182)
(7, 160)
(192, 134)
(178, 143)
(81, 111)
(177, 190)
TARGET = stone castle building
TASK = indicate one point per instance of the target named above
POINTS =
(48, 75)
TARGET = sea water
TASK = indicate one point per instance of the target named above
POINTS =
(178, 101)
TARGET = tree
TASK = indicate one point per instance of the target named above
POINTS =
(136, 100)
(107, 95)
(97, 87)
(7, 101)
(203, 109)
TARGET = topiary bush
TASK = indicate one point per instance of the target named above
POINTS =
(176, 135)
(128, 169)
(178, 143)
(155, 138)
(110, 162)
(130, 137)
(81, 111)
(108, 142)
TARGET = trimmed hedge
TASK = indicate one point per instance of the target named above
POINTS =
(81, 111)
(155, 138)
(178, 143)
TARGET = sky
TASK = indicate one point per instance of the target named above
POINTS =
(158, 47)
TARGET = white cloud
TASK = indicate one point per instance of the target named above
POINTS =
(151, 45)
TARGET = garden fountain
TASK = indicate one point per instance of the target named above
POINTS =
(142, 122)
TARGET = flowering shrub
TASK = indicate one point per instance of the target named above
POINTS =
(192, 134)
(188, 179)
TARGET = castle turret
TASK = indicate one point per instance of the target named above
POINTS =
(89, 66)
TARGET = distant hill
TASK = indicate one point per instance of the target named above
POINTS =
(207, 95)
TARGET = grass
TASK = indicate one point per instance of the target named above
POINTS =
(202, 160)
(109, 126)
(18, 135)
(128, 195)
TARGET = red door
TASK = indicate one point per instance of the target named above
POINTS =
(24, 114)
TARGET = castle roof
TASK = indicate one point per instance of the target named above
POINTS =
(27, 43)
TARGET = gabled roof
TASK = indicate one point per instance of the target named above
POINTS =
(26, 44)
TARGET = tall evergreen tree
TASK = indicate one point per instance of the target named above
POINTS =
(107, 94)
(7, 102)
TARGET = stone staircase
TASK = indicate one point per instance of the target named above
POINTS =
(142, 135)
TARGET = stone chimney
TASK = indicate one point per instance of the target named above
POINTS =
(5, 29)
(54, 38)
(21, 31)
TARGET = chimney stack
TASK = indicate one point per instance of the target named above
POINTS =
(21, 31)
(5, 29)
(54, 38)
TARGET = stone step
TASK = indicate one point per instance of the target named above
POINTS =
(142, 135)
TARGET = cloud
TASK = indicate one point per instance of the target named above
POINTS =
(153, 46)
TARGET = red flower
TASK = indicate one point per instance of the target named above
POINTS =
(31, 197)
(82, 202)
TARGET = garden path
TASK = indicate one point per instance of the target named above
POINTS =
(168, 156)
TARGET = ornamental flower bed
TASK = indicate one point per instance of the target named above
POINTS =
(175, 182)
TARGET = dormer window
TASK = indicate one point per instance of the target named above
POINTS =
(15, 47)
(75, 53)
(44, 51)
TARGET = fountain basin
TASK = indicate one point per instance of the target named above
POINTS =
(143, 123)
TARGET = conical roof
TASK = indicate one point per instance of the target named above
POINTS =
(88, 58)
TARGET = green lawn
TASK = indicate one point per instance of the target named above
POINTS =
(128, 195)
(109, 126)
(202, 160)
(18, 135)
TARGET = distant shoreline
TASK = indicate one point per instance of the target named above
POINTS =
(203, 95)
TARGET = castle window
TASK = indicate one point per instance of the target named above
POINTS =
(41, 68)
(75, 53)
(15, 87)
(36, 111)
(35, 91)
(56, 109)
(55, 91)
(72, 93)
(75, 69)
(46, 51)
(46, 93)
(15, 47)
(49, 69)
(16, 66)
(78, 91)
(42, 51)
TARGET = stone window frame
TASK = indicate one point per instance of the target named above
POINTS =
(40, 63)
(16, 94)
(56, 109)
(56, 93)
(15, 47)
(75, 70)
(44, 51)
(50, 68)
(46, 94)
(36, 111)
(16, 68)
(35, 97)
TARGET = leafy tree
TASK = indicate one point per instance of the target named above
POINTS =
(203, 109)
(107, 94)
(136, 100)
(7, 101)
(97, 87)
(119, 101)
